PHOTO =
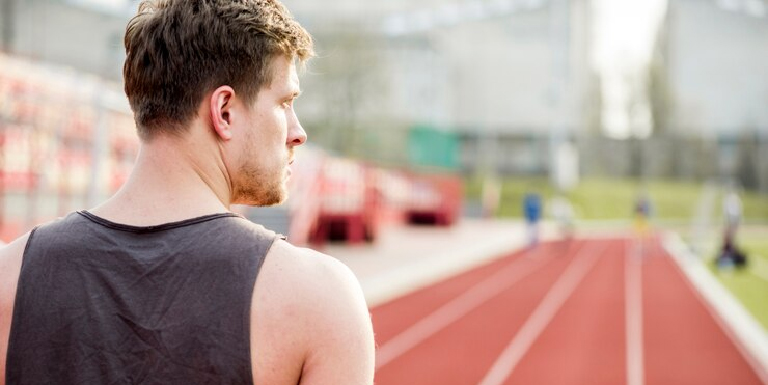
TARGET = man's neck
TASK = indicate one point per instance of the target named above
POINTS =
(169, 183)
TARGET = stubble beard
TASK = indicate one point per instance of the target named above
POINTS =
(261, 187)
(260, 184)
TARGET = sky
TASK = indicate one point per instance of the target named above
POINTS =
(624, 34)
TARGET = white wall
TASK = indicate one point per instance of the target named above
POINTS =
(718, 69)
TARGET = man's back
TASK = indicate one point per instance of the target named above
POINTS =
(165, 304)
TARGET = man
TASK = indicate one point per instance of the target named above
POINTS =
(730, 254)
(732, 212)
(562, 211)
(532, 210)
(642, 211)
(158, 285)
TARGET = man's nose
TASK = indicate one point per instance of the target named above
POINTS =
(296, 133)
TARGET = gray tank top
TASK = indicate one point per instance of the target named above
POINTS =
(105, 303)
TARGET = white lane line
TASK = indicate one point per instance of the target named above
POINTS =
(633, 306)
(543, 314)
(459, 307)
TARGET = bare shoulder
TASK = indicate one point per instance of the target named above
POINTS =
(10, 266)
(312, 270)
(309, 313)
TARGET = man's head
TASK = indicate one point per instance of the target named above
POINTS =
(180, 50)
(231, 65)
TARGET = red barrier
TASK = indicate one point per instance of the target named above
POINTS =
(356, 200)
(348, 203)
(435, 199)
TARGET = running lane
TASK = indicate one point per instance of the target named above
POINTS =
(594, 312)
(455, 343)
(584, 343)
(393, 317)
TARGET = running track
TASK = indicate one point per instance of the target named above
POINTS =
(598, 311)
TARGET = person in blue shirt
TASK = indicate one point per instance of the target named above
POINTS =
(532, 209)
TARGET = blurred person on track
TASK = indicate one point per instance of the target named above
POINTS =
(730, 255)
(642, 226)
(732, 212)
(562, 211)
(491, 196)
(532, 210)
(642, 212)
(158, 284)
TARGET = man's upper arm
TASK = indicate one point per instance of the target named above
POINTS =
(10, 266)
(310, 324)
(344, 348)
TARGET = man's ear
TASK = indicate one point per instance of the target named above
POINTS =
(221, 111)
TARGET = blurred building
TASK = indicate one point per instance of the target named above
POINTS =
(501, 76)
(714, 87)
(84, 35)
(504, 77)
(501, 84)
(708, 89)
(716, 60)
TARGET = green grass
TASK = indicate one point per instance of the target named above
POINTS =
(597, 198)
(748, 285)
(755, 207)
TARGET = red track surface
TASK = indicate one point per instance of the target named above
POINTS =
(584, 312)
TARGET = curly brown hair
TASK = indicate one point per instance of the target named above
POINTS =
(178, 50)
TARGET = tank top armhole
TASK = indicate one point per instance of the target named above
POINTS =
(11, 335)
(26, 248)
(275, 238)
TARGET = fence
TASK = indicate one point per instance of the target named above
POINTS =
(742, 158)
